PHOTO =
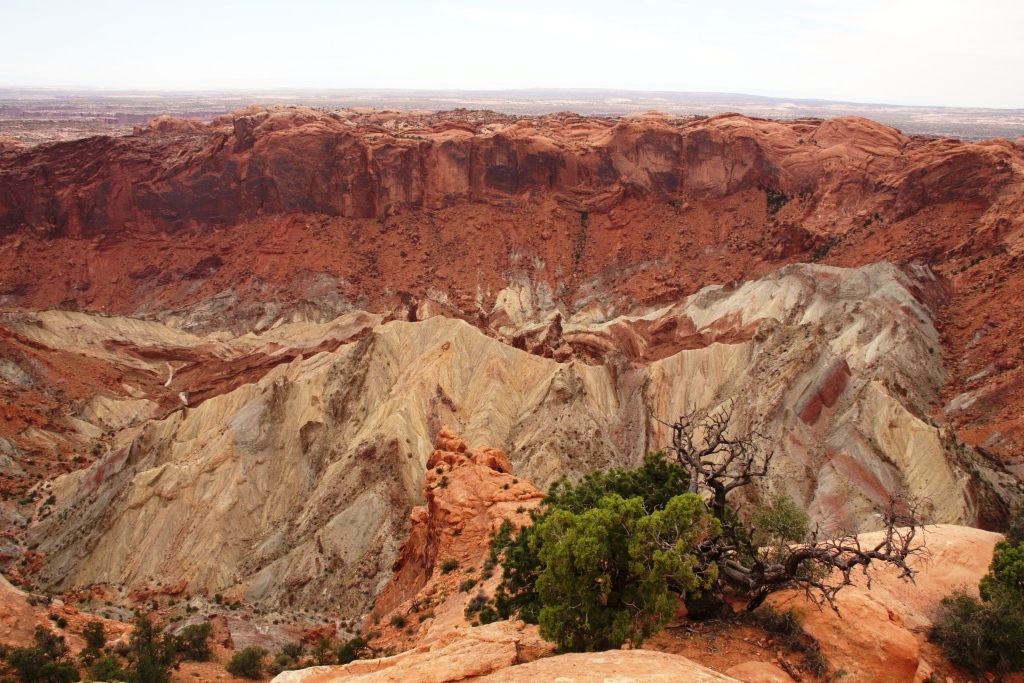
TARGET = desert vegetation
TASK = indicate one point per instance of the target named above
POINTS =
(988, 634)
(606, 559)
(147, 657)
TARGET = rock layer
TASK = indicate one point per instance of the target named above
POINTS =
(296, 488)
(296, 214)
(501, 652)
(469, 493)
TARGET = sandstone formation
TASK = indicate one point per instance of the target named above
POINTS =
(873, 635)
(505, 652)
(469, 494)
(228, 352)
(20, 614)
(9, 144)
(292, 214)
(759, 672)
(336, 420)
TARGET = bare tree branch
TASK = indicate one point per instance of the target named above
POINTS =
(720, 463)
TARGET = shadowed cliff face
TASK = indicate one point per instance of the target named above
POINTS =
(174, 175)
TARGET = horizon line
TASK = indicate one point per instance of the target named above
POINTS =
(479, 92)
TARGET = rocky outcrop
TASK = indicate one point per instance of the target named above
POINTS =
(759, 672)
(458, 654)
(867, 639)
(173, 174)
(469, 494)
(21, 613)
(625, 666)
(506, 652)
(9, 144)
(872, 635)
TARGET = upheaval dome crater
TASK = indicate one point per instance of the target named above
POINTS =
(227, 349)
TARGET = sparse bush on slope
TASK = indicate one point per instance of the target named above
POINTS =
(988, 634)
(247, 663)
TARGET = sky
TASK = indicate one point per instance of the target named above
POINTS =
(917, 52)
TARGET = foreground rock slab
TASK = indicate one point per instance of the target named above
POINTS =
(759, 672)
(871, 637)
(460, 654)
(502, 652)
(618, 666)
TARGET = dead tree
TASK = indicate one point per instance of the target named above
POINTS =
(717, 461)
(720, 463)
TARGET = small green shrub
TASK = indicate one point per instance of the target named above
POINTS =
(783, 625)
(981, 636)
(247, 663)
(107, 669)
(988, 635)
(398, 621)
(357, 648)
(1005, 578)
(778, 521)
(476, 603)
(193, 643)
(449, 565)
(466, 585)
(293, 650)
(323, 653)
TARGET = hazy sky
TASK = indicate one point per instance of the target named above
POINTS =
(939, 52)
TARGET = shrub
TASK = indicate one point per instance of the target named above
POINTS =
(476, 604)
(33, 666)
(94, 635)
(776, 623)
(151, 652)
(322, 652)
(247, 663)
(107, 669)
(287, 659)
(95, 638)
(780, 521)
(786, 628)
(293, 650)
(607, 570)
(981, 636)
(466, 585)
(354, 649)
(398, 621)
(989, 635)
(655, 482)
(1005, 578)
(449, 565)
(193, 643)
(45, 662)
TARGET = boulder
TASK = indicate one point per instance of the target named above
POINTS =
(759, 672)
(866, 638)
